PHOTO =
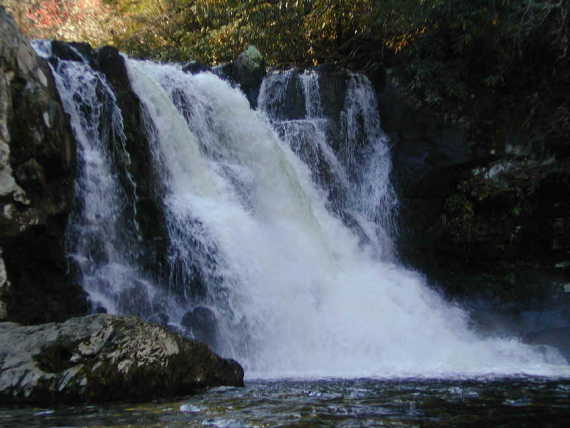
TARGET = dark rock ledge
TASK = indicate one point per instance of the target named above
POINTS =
(102, 358)
(37, 170)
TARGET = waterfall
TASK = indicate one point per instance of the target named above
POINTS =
(356, 178)
(103, 239)
(291, 232)
(99, 231)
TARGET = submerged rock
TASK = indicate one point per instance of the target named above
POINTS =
(201, 323)
(104, 358)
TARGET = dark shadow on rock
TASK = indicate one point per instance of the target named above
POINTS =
(194, 67)
(202, 324)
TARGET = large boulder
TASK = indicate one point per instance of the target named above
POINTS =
(37, 155)
(103, 357)
(247, 71)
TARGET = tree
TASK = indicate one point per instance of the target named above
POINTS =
(62, 19)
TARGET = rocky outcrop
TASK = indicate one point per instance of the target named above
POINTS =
(247, 71)
(36, 187)
(102, 358)
(497, 215)
(485, 213)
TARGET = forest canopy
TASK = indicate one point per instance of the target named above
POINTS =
(447, 51)
(297, 31)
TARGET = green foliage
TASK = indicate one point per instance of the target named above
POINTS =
(449, 53)
(215, 31)
(490, 34)
(480, 45)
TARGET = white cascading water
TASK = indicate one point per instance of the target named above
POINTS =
(296, 293)
(358, 186)
(102, 237)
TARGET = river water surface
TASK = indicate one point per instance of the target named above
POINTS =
(499, 402)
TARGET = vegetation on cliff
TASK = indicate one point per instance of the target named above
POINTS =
(458, 54)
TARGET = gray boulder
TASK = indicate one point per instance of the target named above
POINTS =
(104, 357)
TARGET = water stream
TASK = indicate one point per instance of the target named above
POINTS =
(291, 234)
(363, 403)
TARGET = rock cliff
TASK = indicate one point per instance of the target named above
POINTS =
(96, 357)
(36, 187)
(485, 213)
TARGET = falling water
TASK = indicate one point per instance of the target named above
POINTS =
(103, 239)
(305, 297)
(300, 272)
(357, 177)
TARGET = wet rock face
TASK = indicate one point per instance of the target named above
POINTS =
(512, 210)
(504, 236)
(194, 67)
(103, 358)
(149, 213)
(201, 323)
(482, 220)
(36, 187)
(428, 159)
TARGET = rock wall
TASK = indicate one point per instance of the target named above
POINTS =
(36, 187)
(132, 156)
(485, 214)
